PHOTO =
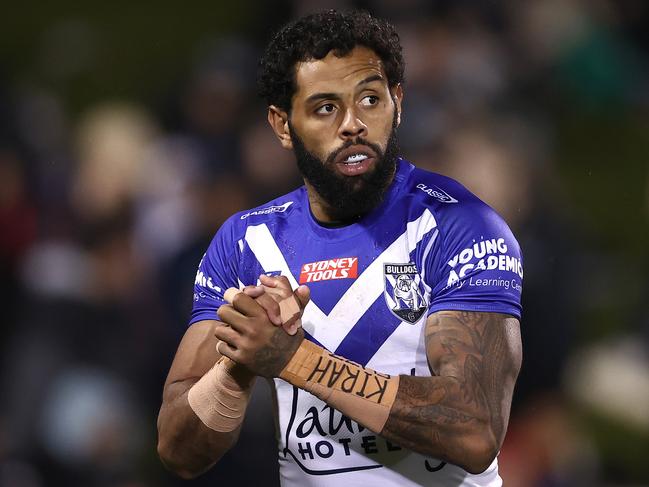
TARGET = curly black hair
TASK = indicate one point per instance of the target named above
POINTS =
(313, 37)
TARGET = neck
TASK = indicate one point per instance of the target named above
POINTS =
(321, 210)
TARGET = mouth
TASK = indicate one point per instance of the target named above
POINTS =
(355, 160)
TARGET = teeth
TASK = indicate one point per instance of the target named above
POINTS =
(355, 158)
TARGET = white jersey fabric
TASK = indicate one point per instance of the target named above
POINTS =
(431, 245)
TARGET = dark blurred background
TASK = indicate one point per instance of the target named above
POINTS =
(130, 130)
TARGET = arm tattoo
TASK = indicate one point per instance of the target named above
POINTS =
(270, 360)
(474, 358)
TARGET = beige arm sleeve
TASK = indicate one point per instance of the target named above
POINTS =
(362, 394)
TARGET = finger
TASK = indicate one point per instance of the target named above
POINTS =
(230, 316)
(223, 358)
(272, 307)
(226, 341)
(292, 327)
(227, 334)
(227, 351)
(230, 293)
(278, 283)
(289, 308)
(303, 295)
(243, 303)
(292, 309)
(253, 291)
(291, 314)
(269, 281)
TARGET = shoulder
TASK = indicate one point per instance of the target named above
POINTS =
(454, 207)
(270, 213)
(229, 240)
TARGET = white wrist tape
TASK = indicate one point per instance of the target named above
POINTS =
(218, 399)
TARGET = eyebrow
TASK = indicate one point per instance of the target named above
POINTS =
(369, 79)
(335, 96)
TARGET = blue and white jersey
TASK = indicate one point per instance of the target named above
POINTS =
(431, 245)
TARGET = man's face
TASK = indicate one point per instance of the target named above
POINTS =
(342, 129)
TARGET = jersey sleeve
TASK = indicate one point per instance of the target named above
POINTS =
(217, 271)
(478, 265)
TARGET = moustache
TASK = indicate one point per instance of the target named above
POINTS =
(359, 141)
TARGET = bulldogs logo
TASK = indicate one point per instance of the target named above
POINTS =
(404, 291)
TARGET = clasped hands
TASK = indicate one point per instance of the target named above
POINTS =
(264, 325)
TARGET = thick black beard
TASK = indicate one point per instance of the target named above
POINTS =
(348, 197)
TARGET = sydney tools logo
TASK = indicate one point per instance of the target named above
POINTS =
(325, 270)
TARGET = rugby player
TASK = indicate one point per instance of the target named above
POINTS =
(406, 284)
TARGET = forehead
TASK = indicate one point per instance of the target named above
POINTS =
(332, 73)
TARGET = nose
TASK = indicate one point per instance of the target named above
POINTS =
(352, 126)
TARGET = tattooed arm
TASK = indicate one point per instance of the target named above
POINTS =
(460, 414)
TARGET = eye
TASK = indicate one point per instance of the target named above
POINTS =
(370, 101)
(326, 109)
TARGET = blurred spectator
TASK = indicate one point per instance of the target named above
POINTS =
(17, 217)
(111, 142)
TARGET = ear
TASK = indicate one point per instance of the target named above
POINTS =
(397, 96)
(278, 120)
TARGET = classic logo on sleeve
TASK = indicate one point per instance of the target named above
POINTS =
(404, 293)
(268, 210)
(326, 270)
(436, 192)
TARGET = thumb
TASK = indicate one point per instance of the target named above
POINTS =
(292, 309)
(303, 295)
